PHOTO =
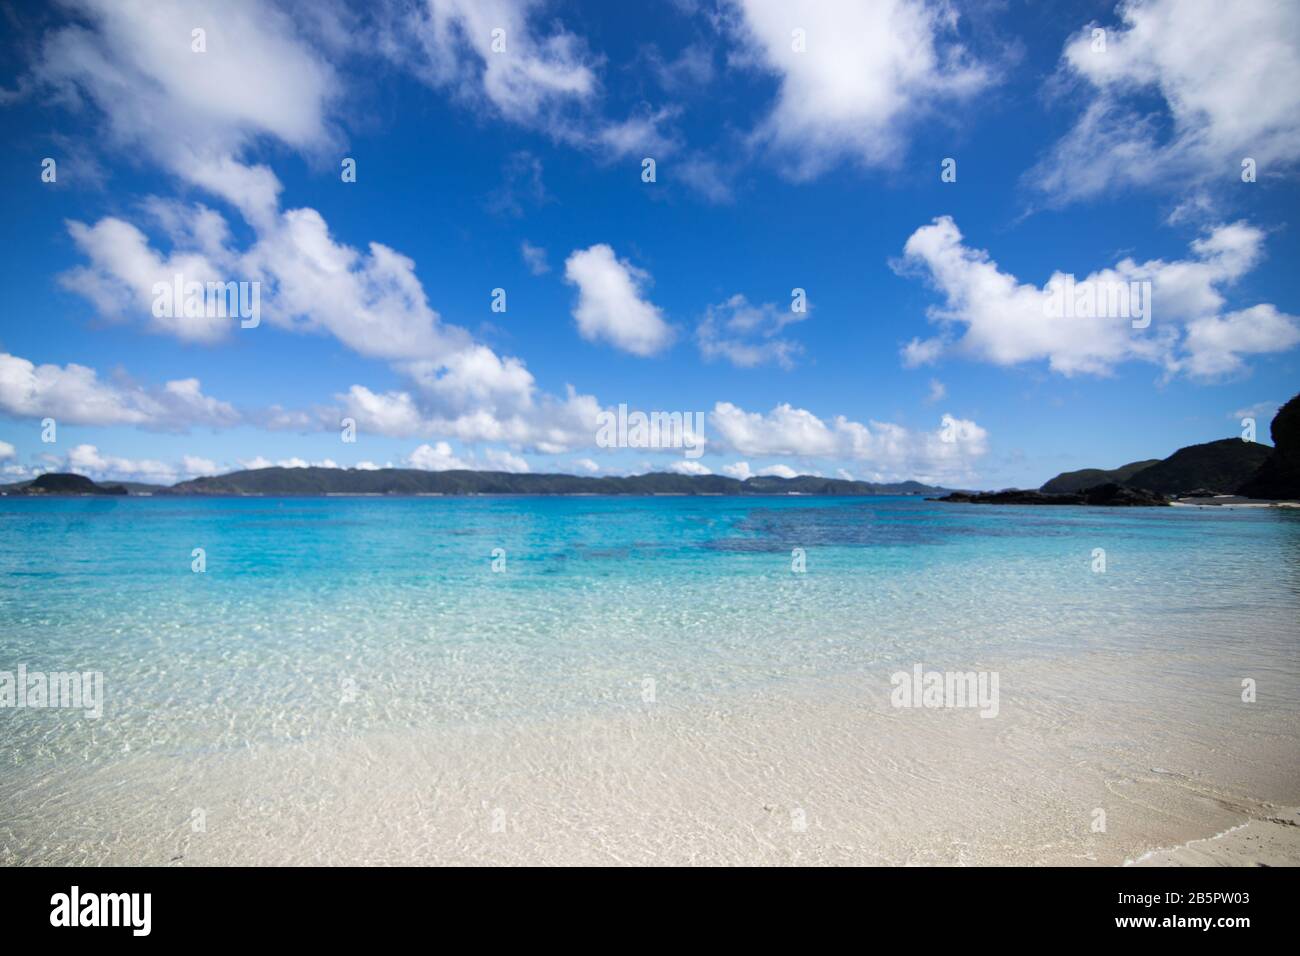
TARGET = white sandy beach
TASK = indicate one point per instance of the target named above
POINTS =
(810, 775)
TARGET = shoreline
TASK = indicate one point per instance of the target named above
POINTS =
(827, 772)
(1270, 841)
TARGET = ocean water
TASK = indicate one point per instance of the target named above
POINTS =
(338, 616)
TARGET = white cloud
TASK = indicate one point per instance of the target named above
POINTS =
(372, 302)
(7, 451)
(436, 457)
(739, 470)
(921, 352)
(194, 465)
(938, 392)
(1228, 83)
(1260, 411)
(440, 456)
(534, 258)
(498, 459)
(1216, 344)
(543, 423)
(87, 460)
(709, 178)
(748, 335)
(690, 71)
(1007, 322)
(586, 464)
(124, 270)
(530, 77)
(75, 395)
(689, 468)
(888, 451)
(640, 135)
(869, 70)
(195, 112)
(778, 471)
(253, 464)
(540, 79)
(610, 304)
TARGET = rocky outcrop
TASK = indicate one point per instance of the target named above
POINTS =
(1279, 475)
(1109, 495)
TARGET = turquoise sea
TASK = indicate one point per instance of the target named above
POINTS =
(336, 616)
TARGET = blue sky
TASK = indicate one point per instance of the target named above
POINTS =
(796, 145)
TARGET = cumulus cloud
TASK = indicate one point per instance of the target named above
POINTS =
(436, 457)
(525, 77)
(371, 300)
(75, 395)
(544, 423)
(257, 462)
(887, 451)
(195, 113)
(991, 316)
(1227, 87)
(611, 306)
(195, 465)
(88, 460)
(494, 54)
(439, 456)
(748, 335)
(867, 72)
(689, 468)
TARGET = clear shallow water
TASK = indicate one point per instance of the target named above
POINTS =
(335, 617)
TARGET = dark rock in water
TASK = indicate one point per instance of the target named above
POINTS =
(1011, 496)
(1113, 495)
(1200, 493)
(1279, 475)
(61, 483)
(1107, 495)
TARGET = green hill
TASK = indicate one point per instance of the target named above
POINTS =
(1219, 466)
(1071, 482)
(65, 483)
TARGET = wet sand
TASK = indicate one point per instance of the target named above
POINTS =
(1100, 759)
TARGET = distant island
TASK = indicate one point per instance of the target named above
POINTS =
(63, 483)
(410, 481)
